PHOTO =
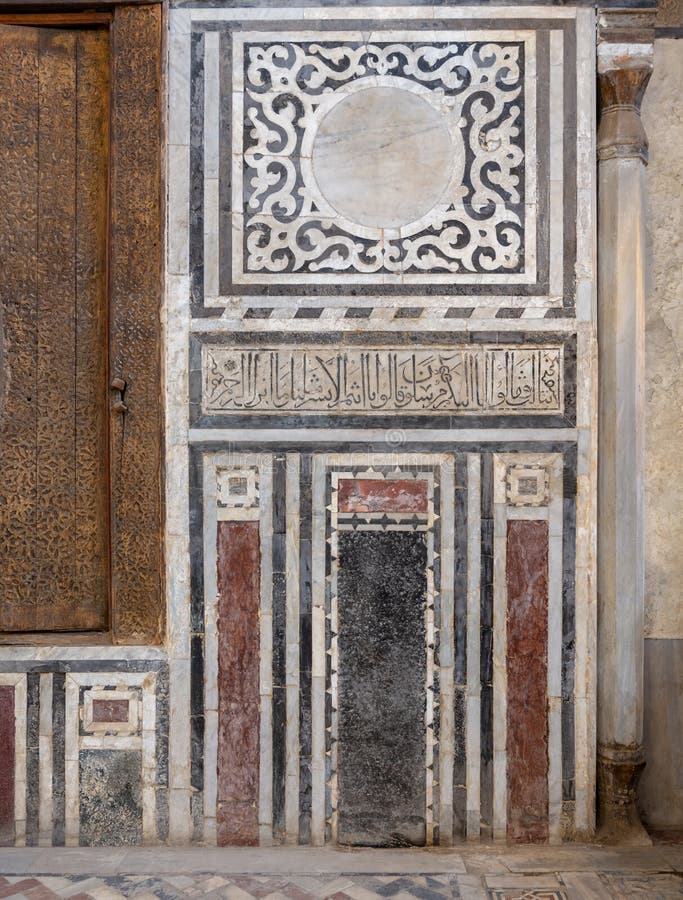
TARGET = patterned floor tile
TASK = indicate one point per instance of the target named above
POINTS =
(654, 887)
(527, 894)
(333, 887)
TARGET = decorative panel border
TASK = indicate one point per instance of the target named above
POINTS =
(82, 690)
(527, 487)
(203, 40)
(487, 488)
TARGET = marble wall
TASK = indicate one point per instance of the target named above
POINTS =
(661, 788)
(381, 358)
(380, 450)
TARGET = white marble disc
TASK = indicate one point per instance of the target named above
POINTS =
(383, 157)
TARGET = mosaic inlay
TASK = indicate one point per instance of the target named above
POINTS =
(483, 379)
(391, 157)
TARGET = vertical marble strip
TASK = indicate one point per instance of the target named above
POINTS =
(447, 654)
(318, 660)
(556, 128)
(279, 609)
(7, 767)
(197, 644)
(196, 218)
(211, 140)
(209, 492)
(526, 663)
(460, 635)
(432, 709)
(486, 639)
(332, 682)
(71, 773)
(45, 813)
(305, 656)
(586, 419)
(568, 632)
(149, 721)
(32, 757)
(20, 702)
(500, 672)
(530, 162)
(58, 758)
(179, 142)
(176, 329)
(239, 730)
(293, 467)
(265, 809)
(473, 709)
(554, 641)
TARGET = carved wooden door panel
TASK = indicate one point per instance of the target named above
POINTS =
(54, 478)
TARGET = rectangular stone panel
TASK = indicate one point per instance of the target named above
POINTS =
(382, 585)
(238, 682)
(527, 679)
(477, 379)
(110, 797)
(381, 495)
(6, 765)
(110, 710)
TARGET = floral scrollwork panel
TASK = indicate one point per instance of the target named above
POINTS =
(394, 159)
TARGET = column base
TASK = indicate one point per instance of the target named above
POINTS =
(619, 769)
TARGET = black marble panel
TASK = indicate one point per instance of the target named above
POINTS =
(110, 797)
(382, 585)
(32, 757)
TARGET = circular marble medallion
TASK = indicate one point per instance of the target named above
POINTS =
(383, 157)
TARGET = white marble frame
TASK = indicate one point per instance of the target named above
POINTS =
(552, 512)
(19, 683)
(74, 742)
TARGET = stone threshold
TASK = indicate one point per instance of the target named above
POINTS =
(478, 859)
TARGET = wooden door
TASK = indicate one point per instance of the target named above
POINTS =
(54, 478)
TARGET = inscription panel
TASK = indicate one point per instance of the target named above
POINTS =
(482, 379)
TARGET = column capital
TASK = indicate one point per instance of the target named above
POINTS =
(625, 57)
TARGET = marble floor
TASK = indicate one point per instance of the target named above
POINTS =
(471, 873)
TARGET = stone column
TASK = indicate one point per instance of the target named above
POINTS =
(625, 53)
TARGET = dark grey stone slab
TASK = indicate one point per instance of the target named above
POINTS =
(382, 585)
(110, 797)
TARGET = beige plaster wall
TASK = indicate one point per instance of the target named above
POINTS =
(663, 118)
(661, 788)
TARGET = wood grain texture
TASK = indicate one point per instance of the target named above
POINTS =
(238, 682)
(527, 678)
(53, 245)
(135, 298)
(18, 295)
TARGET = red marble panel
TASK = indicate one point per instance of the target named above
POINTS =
(6, 765)
(527, 672)
(381, 495)
(239, 562)
(110, 710)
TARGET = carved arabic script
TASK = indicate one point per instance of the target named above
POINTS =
(481, 379)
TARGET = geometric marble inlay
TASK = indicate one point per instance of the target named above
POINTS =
(527, 485)
(385, 157)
